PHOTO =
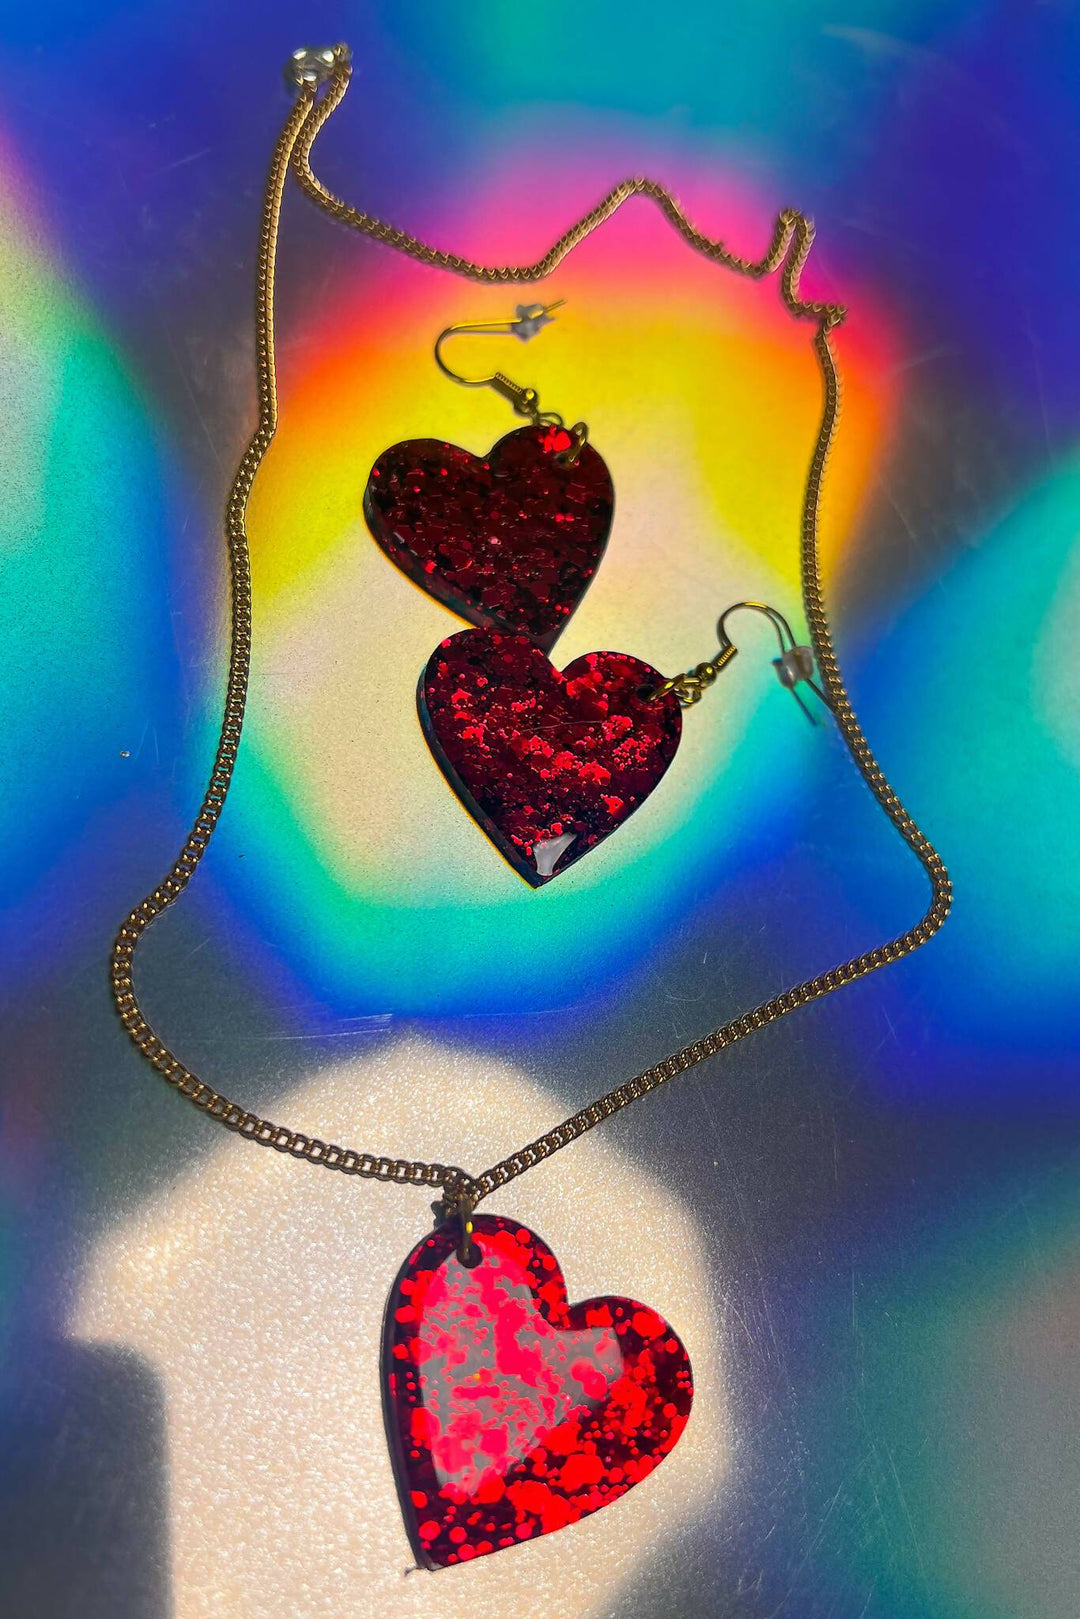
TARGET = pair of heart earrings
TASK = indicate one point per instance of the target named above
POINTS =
(549, 762)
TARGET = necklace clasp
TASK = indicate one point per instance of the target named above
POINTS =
(315, 64)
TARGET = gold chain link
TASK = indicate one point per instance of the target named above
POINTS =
(787, 253)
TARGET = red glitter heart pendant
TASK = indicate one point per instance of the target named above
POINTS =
(510, 542)
(509, 1412)
(548, 762)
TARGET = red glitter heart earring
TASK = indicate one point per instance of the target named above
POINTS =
(550, 762)
(511, 540)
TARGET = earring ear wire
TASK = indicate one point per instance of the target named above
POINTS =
(528, 320)
(794, 666)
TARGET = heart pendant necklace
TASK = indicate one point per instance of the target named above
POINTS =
(510, 1412)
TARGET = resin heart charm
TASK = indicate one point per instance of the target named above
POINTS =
(549, 762)
(509, 1412)
(510, 541)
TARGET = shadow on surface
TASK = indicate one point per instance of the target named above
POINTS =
(82, 1487)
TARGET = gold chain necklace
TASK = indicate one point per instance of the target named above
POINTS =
(321, 79)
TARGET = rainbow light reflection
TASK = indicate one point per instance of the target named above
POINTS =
(703, 395)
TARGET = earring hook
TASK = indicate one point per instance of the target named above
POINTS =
(794, 665)
(776, 618)
(528, 320)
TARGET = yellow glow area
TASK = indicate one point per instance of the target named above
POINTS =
(254, 1288)
(704, 402)
(708, 398)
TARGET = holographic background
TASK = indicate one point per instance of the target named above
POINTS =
(865, 1222)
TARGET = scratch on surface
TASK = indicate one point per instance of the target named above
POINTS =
(907, 1512)
(809, 1552)
(943, 351)
(1026, 328)
(180, 162)
(744, 1324)
(870, 1597)
(193, 396)
(706, 1105)
(891, 1035)
(319, 1034)
(908, 528)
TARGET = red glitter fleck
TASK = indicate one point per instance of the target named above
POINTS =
(533, 1413)
(535, 753)
(510, 542)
